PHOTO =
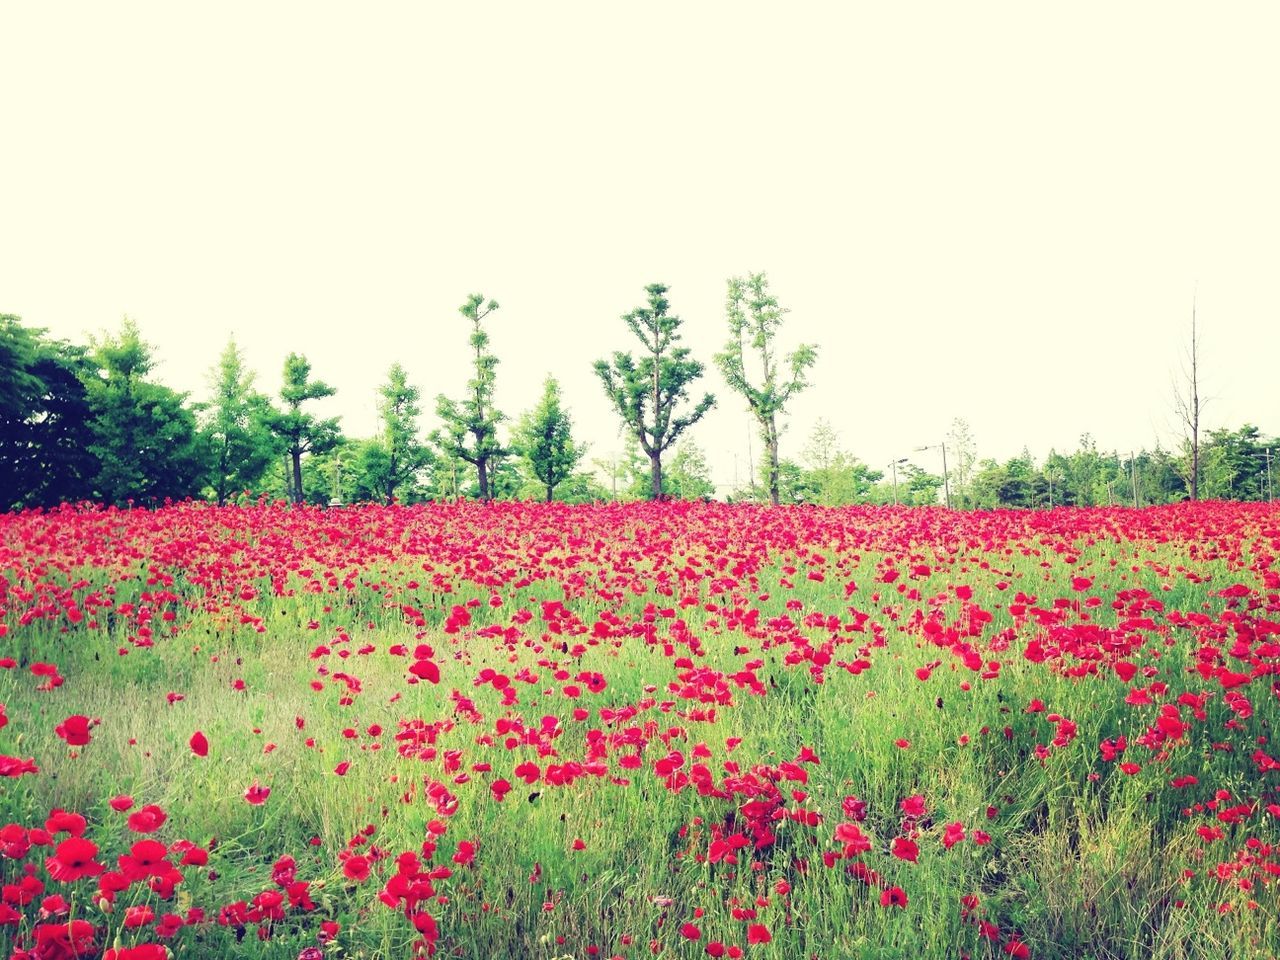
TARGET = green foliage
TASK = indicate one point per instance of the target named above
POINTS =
(964, 458)
(18, 351)
(830, 476)
(1087, 477)
(689, 476)
(754, 318)
(145, 440)
(237, 420)
(44, 420)
(917, 487)
(470, 430)
(1235, 465)
(1003, 485)
(625, 476)
(646, 392)
(449, 476)
(402, 455)
(544, 438)
(302, 433)
(834, 476)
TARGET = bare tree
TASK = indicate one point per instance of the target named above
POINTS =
(1188, 405)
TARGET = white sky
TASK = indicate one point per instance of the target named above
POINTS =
(995, 211)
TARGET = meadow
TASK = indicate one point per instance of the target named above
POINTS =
(634, 730)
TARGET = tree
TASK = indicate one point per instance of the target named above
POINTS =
(1188, 405)
(302, 433)
(544, 437)
(624, 474)
(238, 422)
(19, 347)
(919, 487)
(447, 473)
(834, 477)
(754, 318)
(404, 455)
(645, 393)
(145, 440)
(1235, 464)
(471, 427)
(689, 477)
(964, 454)
(44, 420)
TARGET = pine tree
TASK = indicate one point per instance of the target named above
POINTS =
(544, 437)
(403, 453)
(44, 420)
(238, 422)
(302, 433)
(145, 440)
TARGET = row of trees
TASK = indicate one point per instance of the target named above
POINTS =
(86, 422)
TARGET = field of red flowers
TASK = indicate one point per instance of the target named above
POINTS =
(675, 730)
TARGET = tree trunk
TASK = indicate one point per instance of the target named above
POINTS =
(771, 449)
(655, 476)
(550, 491)
(482, 469)
(222, 474)
(297, 474)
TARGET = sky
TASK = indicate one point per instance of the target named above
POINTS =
(997, 211)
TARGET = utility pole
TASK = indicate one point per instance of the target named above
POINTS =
(893, 465)
(1133, 469)
(946, 478)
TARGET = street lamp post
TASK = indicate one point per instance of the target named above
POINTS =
(946, 477)
(1133, 471)
(893, 465)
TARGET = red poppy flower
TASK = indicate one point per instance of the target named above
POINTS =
(143, 951)
(257, 795)
(17, 767)
(905, 849)
(356, 869)
(65, 941)
(73, 860)
(426, 670)
(148, 819)
(74, 730)
(893, 897)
